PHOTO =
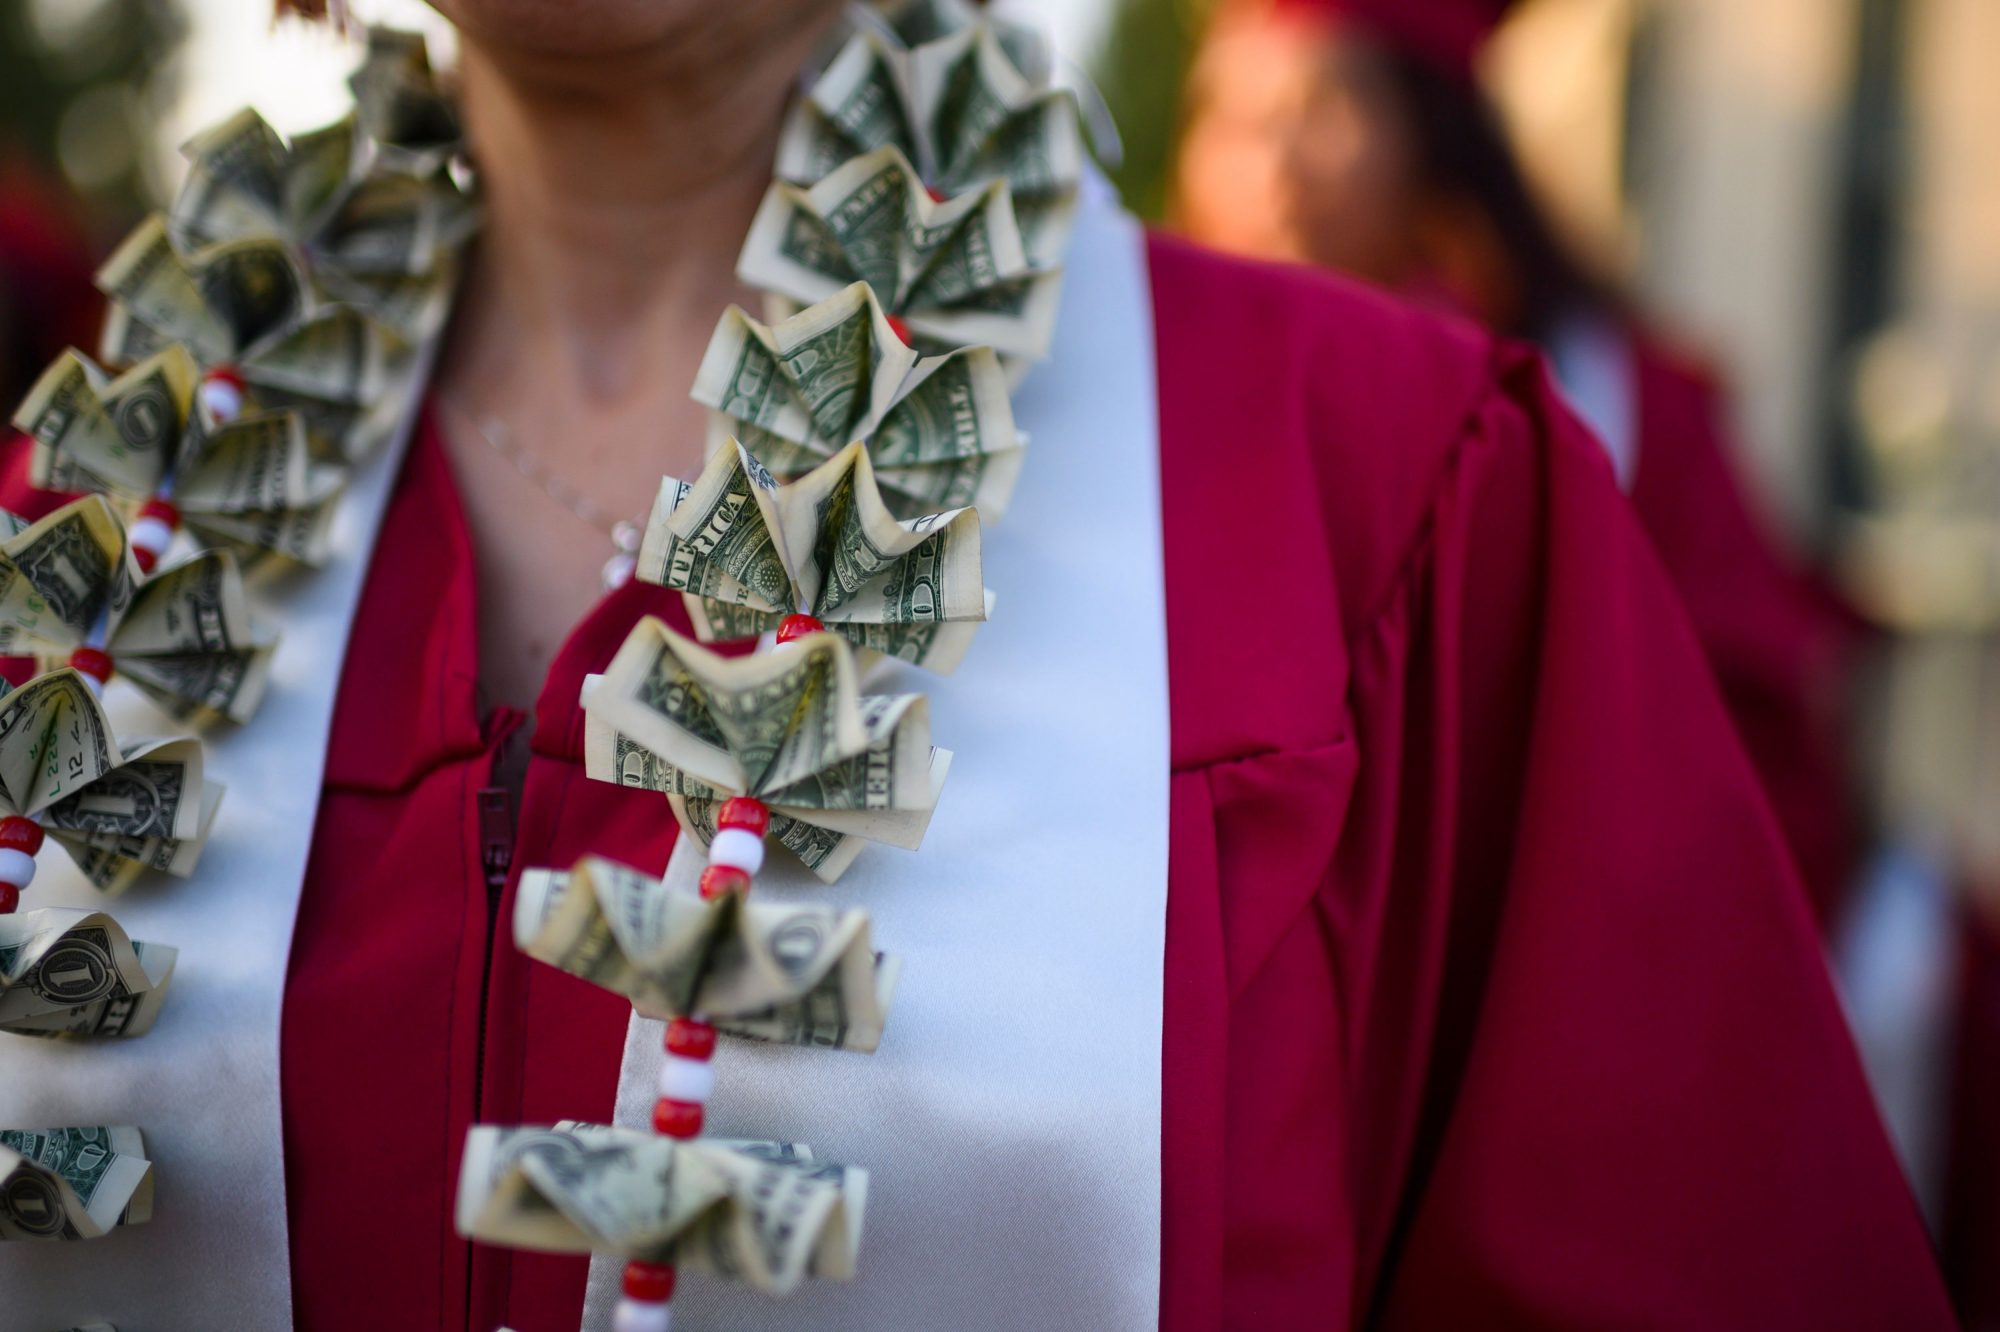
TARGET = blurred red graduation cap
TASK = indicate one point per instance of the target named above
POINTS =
(1446, 34)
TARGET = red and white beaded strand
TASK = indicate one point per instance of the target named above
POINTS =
(687, 1076)
(221, 393)
(20, 840)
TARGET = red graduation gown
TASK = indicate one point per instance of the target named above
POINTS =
(1779, 641)
(1491, 1000)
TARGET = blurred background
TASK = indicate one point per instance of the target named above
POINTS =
(1760, 242)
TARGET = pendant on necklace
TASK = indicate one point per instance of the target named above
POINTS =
(624, 562)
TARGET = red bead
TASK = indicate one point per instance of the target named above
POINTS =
(798, 626)
(676, 1119)
(652, 1283)
(690, 1039)
(163, 510)
(719, 879)
(937, 195)
(144, 558)
(18, 833)
(227, 374)
(745, 812)
(900, 329)
(10, 897)
(93, 662)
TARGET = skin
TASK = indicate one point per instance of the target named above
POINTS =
(1298, 147)
(622, 146)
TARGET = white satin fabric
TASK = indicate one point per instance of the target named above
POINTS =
(202, 1085)
(1010, 1122)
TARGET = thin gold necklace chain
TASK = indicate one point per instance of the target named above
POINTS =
(623, 532)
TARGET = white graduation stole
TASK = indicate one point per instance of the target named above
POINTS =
(202, 1085)
(1010, 1122)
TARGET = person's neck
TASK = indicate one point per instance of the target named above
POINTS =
(617, 193)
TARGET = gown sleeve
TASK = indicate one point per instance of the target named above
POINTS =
(1779, 640)
(1597, 1076)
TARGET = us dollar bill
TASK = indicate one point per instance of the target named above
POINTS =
(748, 552)
(123, 434)
(409, 118)
(885, 795)
(73, 973)
(61, 576)
(959, 271)
(152, 811)
(834, 374)
(764, 1214)
(747, 724)
(792, 974)
(55, 740)
(72, 1183)
(957, 104)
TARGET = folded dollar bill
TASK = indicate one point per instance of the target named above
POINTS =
(763, 1213)
(247, 305)
(792, 728)
(72, 1183)
(938, 429)
(957, 271)
(65, 972)
(250, 486)
(410, 119)
(793, 974)
(366, 235)
(746, 552)
(118, 809)
(964, 101)
(181, 635)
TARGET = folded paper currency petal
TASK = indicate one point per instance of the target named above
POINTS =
(72, 1183)
(746, 552)
(763, 1213)
(938, 429)
(71, 973)
(788, 973)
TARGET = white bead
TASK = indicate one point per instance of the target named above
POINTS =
(634, 1316)
(684, 1079)
(222, 398)
(16, 867)
(737, 847)
(150, 533)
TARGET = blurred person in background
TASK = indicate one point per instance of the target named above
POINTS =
(1352, 134)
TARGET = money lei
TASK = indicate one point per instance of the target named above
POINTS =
(890, 425)
(261, 335)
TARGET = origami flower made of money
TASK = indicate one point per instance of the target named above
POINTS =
(747, 552)
(65, 972)
(763, 1213)
(72, 1183)
(790, 973)
(250, 486)
(119, 810)
(365, 235)
(966, 102)
(957, 271)
(938, 429)
(246, 306)
(790, 727)
(181, 635)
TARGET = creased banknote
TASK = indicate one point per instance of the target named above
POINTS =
(72, 1183)
(119, 809)
(789, 973)
(938, 429)
(65, 972)
(250, 486)
(747, 552)
(792, 728)
(957, 271)
(762, 1213)
(181, 634)
(248, 305)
